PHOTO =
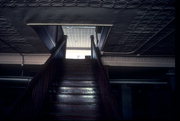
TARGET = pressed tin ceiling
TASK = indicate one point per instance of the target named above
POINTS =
(140, 27)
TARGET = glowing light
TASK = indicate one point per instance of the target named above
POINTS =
(77, 54)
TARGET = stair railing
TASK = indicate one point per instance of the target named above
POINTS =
(29, 106)
(109, 103)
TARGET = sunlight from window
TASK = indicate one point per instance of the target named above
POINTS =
(78, 41)
(77, 54)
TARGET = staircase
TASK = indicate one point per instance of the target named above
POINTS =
(75, 96)
(68, 90)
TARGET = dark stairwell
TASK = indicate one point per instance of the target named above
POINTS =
(135, 39)
(76, 96)
(68, 89)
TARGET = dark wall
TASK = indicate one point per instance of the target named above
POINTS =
(11, 90)
(16, 69)
(144, 101)
(137, 72)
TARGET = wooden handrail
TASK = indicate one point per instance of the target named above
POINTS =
(108, 100)
(29, 106)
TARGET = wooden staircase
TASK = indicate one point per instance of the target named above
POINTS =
(76, 95)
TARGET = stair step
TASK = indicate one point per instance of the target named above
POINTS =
(68, 117)
(78, 69)
(75, 83)
(74, 99)
(78, 64)
(71, 66)
(77, 74)
(79, 78)
(75, 109)
(75, 96)
(77, 61)
(74, 90)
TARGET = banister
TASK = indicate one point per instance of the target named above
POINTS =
(29, 105)
(109, 103)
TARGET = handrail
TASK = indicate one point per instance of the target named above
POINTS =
(108, 100)
(30, 104)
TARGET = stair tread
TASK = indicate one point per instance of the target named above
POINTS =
(78, 78)
(78, 64)
(74, 99)
(75, 90)
(78, 70)
(69, 68)
(77, 61)
(75, 107)
(79, 74)
(77, 114)
(72, 118)
(91, 109)
(72, 83)
(76, 95)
